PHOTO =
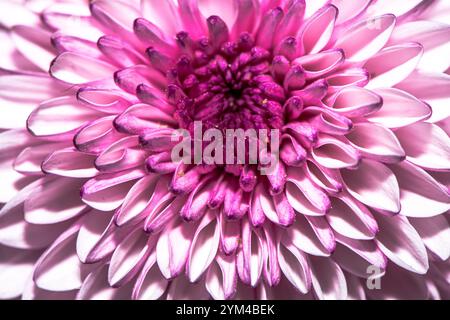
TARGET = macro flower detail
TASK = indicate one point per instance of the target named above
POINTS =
(95, 207)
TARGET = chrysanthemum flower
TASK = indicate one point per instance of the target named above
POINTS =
(94, 207)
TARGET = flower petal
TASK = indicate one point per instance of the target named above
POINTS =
(401, 243)
(426, 145)
(371, 182)
(366, 38)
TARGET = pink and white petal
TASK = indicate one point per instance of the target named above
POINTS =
(163, 14)
(43, 205)
(393, 64)
(59, 268)
(69, 162)
(150, 284)
(397, 7)
(11, 58)
(371, 182)
(98, 236)
(315, 196)
(426, 145)
(16, 232)
(34, 44)
(401, 243)
(335, 153)
(226, 11)
(97, 135)
(15, 269)
(399, 109)
(12, 181)
(33, 292)
(129, 257)
(30, 160)
(351, 219)
(438, 11)
(172, 249)
(364, 39)
(96, 287)
(433, 36)
(432, 88)
(299, 202)
(355, 102)
(350, 10)
(117, 16)
(312, 6)
(16, 106)
(107, 191)
(421, 196)
(307, 239)
(356, 256)
(17, 14)
(59, 116)
(327, 179)
(376, 142)
(204, 246)
(319, 64)
(105, 100)
(318, 30)
(355, 289)
(72, 23)
(123, 154)
(221, 278)
(328, 279)
(250, 260)
(294, 265)
(435, 233)
(76, 68)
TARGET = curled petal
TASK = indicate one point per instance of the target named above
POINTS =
(318, 30)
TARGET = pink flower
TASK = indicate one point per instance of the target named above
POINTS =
(94, 208)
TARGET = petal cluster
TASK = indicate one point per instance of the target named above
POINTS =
(94, 207)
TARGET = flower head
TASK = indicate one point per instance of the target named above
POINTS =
(95, 206)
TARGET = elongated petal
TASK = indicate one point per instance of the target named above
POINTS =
(393, 64)
(366, 38)
(204, 246)
(421, 196)
(435, 233)
(399, 109)
(401, 243)
(371, 182)
(172, 249)
(431, 147)
(434, 38)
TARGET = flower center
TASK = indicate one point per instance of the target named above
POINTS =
(230, 87)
